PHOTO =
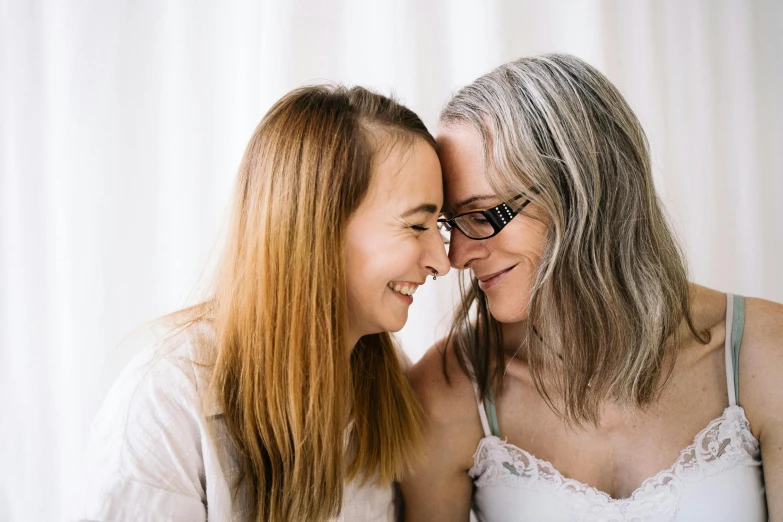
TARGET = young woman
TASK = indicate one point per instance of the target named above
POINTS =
(281, 397)
(594, 381)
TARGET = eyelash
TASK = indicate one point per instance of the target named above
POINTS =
(419, 228)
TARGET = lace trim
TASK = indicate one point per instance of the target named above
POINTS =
(723, 444)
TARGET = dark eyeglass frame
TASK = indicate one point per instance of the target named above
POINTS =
(498, 217)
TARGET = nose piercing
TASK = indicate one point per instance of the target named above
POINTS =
(434, 274)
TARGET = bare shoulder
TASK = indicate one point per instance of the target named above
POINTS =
(708, 307)
(447, 396)
(763, 319)
(761, 364)
(763, 322)
(439, 487)
(444, 389)
(761, 353)
(761, 393)
(762, 347)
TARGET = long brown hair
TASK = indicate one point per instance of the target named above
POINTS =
(611, 290)
(287, 381)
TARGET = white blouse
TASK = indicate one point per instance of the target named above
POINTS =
(160, 450)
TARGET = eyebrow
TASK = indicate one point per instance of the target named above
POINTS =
(427, 208)
(473, 199)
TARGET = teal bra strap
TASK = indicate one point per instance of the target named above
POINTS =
(492, 414)
(737, 327)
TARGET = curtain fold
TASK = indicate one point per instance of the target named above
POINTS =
(122, 125)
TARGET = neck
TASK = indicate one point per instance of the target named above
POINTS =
(514, 340)
(352, 339)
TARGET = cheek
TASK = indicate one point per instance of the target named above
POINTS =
(362, 274)
(398, 262)
(372, 266)
(509, 303)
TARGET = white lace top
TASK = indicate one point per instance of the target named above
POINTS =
(717, 478)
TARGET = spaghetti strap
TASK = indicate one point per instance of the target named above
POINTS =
(729, 359)
(482, 411)
(735, 324)
(492, 414)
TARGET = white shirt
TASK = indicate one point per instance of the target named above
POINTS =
(160, 450)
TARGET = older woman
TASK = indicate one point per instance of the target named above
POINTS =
(585, 378)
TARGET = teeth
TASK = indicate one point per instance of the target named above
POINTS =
(403, 288)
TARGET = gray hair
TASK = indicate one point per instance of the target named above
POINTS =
(611, 290)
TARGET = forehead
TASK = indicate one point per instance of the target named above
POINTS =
(406, 173)
(461, 154)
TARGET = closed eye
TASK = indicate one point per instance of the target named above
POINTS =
(479, 219)
(419, 228)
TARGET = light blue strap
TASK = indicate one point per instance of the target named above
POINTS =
(737, 327)
(492, 414)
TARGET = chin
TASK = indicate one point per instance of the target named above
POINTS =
(506, 312)
(396, 327)
(394, 324)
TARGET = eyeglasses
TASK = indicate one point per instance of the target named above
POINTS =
(481, 223)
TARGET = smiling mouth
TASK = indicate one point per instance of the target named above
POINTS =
(487, 282)
(403, 287)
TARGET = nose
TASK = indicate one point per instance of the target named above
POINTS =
(463, 250)
(435, 259)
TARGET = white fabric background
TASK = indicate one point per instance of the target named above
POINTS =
(122, 124)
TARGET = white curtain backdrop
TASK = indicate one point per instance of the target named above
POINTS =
(122, 125)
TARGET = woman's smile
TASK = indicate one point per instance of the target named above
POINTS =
(488, 281)
(404, 289)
